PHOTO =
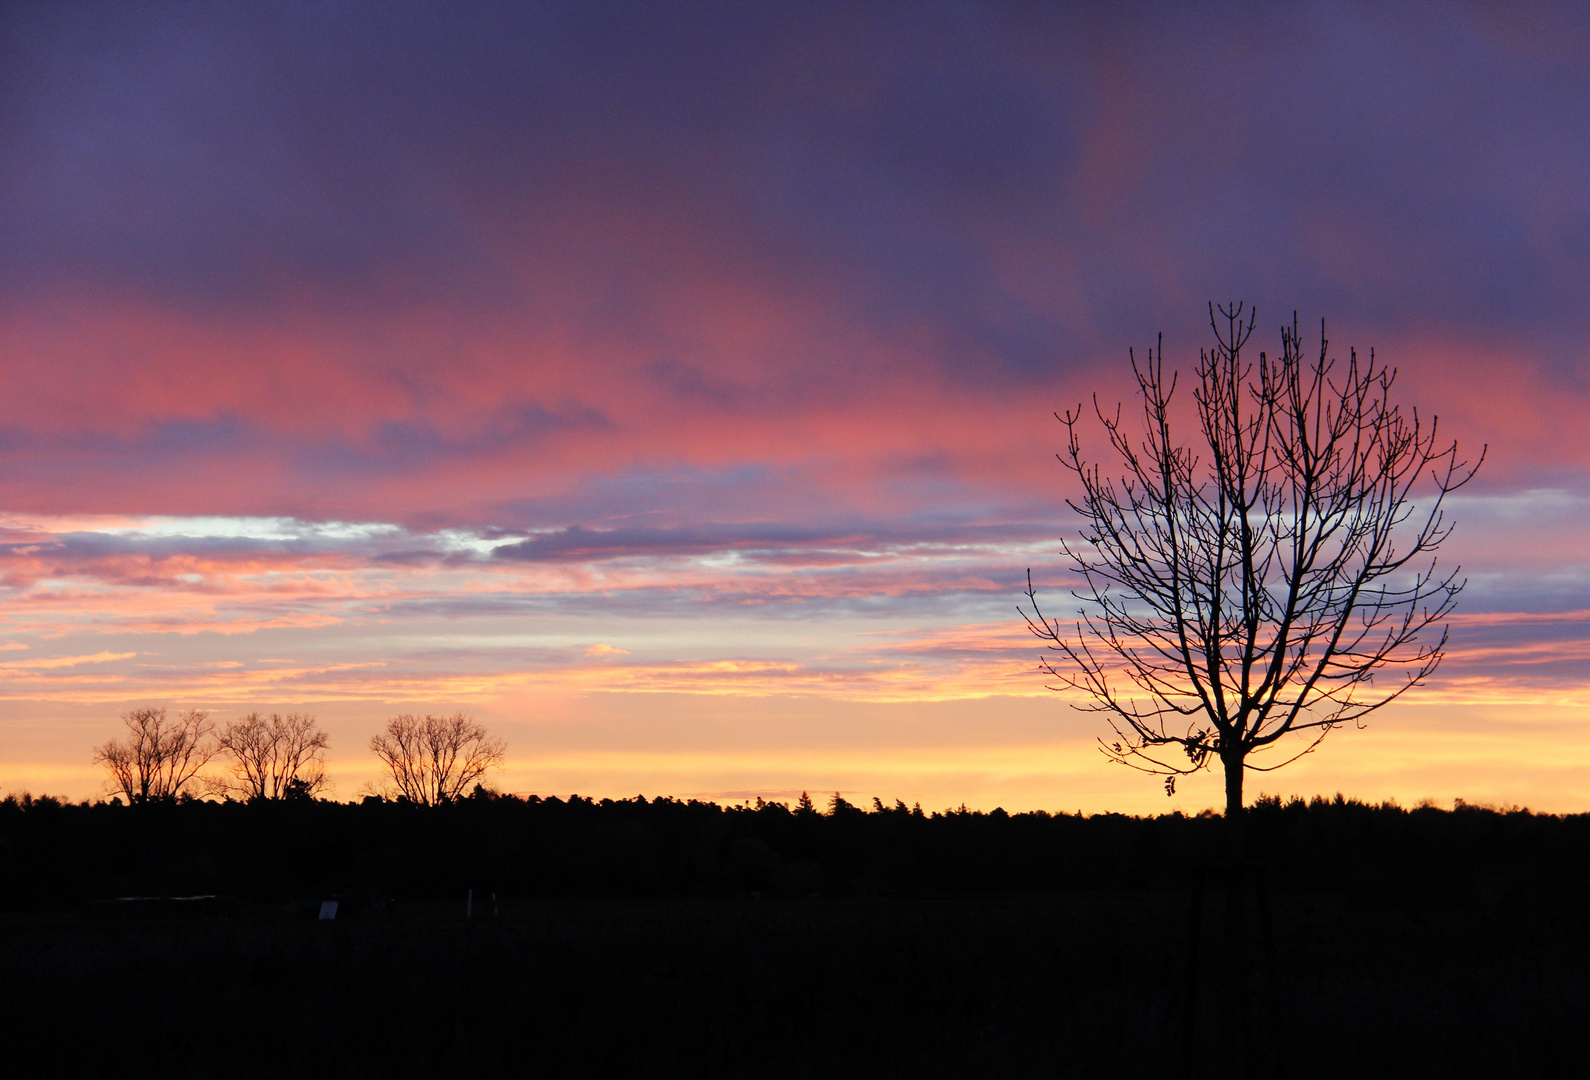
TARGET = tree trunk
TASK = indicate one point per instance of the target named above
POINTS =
(1236, 1032)
(1234, 816)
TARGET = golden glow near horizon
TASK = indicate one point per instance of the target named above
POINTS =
(605, 685)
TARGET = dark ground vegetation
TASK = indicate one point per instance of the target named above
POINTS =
(669, 938)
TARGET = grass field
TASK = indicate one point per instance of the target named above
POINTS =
(967, 986)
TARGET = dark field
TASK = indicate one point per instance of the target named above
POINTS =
(1412, 943)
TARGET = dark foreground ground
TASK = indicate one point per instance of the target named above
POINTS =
(1076, 985)
(629, 942)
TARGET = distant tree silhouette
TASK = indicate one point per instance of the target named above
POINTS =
(432, 759)
(161, 756)
(275, 757)
(840, 805)
(1252, 587)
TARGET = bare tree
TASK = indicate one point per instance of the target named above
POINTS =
(275, 757)
(161, 757)
(1251, 588)
(432, 759)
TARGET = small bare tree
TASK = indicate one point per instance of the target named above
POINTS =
(161, 756)
(1252, 588)
(275, 757)
(432, 759)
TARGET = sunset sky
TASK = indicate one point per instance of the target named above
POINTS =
(670, 386)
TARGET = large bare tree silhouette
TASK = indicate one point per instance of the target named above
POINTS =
(432, 759)
(274, 757)
(161, 756)
(1251, 587)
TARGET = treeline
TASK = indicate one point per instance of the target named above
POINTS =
(56, 854)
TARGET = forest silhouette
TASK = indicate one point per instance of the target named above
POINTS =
(664, 937)
(59, 853)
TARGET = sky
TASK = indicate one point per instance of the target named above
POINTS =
(670, 387)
